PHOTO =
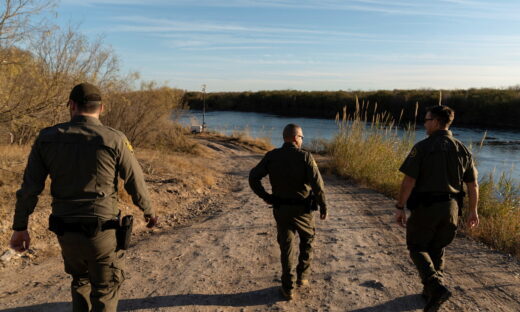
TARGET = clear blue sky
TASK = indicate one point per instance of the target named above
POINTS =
(309, 45)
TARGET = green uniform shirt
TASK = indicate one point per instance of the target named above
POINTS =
(292, 174)
(440, 163)
(84, 159)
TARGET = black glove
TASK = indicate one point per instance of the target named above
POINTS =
(269, 199)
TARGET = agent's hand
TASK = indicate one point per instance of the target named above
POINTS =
(152, 220)
(473, 220)
(20, 241)
(323, 213)
(400, 217)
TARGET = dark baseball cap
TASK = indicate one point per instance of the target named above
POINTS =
(85, 93)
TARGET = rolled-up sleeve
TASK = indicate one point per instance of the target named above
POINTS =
(471, 173)
(412, 164)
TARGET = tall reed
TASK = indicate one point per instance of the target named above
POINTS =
(499, 209)
(370, 151)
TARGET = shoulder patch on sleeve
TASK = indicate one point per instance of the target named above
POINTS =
(128, 145)
(413, 152)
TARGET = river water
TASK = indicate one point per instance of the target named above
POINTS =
(500, 152)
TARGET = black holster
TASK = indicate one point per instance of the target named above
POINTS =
(460, 201)
(312, 203)
(124, 232)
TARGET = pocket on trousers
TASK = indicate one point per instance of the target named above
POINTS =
(118, 275)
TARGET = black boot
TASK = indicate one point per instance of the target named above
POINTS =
(438, 295)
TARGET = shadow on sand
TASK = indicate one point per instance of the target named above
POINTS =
(265, 296)
(401, 304)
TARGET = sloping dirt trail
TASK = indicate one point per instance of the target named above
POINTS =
(229, 261)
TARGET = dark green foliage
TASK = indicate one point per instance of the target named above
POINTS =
(476, 107)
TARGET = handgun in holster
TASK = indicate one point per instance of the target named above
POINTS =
(124, 232)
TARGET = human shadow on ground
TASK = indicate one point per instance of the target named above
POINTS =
(401, 304)
(260, 297)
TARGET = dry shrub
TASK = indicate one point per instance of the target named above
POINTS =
(146, 117)
(34, 84)
(173, 137)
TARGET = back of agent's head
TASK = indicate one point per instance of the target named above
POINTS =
(290, 131)
(442, 113)
(87, 97)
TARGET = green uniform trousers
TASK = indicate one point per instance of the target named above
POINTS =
(289, 221)
(428, 231)
(96, 268)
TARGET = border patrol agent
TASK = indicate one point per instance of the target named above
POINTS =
(84, 159)
(293, 174)
(432, 189)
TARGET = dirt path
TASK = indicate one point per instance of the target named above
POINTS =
(229, 261)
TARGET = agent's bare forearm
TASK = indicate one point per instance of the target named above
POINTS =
(473, 195)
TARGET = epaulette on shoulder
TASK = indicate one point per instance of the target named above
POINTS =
(119, 134)
(52, 129)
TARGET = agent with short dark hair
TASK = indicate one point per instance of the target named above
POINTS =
(293, 174)
(432, 189)
(84, 159)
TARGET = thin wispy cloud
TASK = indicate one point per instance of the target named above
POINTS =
(446, 8)
(144, 24)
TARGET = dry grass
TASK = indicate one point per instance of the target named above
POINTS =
(371, 154)
(499, 208)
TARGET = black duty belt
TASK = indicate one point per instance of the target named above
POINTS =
(79, 226)
(290, 201)
(438, 198)
(89, 226)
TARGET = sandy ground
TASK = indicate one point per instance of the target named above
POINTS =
(228, 260)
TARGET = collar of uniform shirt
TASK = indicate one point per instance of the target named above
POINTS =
(442, 132)
(289, 144)
(86, 119)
